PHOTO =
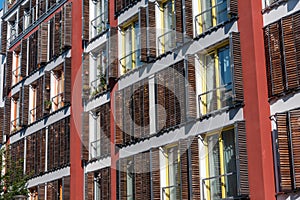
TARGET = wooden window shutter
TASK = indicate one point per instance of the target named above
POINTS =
(184, 169)
(67, 138)
(24, 105)
(57, 34)
(138, 176)
(123, 179)
(145, 112)
(194, 168)
(118, 6)
(191, 90)
(242, 158)
(66, 188)
(86, 77)
(86, 20)
(43, 149)
(85, 136)
(236, 68)
(296, 24)
(189, 19)
(3, 37)
(67, 26)
(232, 7)
(7, 111)
(105, 183)
(8, 78)
(276, 58)
(143, 31)
(38, 152)
(50, 148)
(289, 49)
(160, 95)
(119, 117)
(67, 85)
(152, 29)
(39, 99)
(155, 174)
(46, 84)
(127, 116)
(21, 19)
(41, 192)
(56, 145)
(268, 60)
(24, 58)
(89, 182)
(105, 129)
(113, 54)
(43, 43)
(62, 143)
(135, 112)
(179, 92)
(179, 21)
(42, 7)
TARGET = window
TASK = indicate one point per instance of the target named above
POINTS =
(212, 13)
(130, 180)
(216, 80)
(172, 190)
(221, 165)
(15, 126)
(131, 57)
(16, 68)
(99, 17)
(32, 103)
(13, 30)
(167, 39)
(96, 143)
(58, 93)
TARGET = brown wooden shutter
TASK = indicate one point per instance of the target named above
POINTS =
(46, 97)
(105, 130)
(8, 78)
(89, 185)
(189, 19)
(232, 7)
(24, 105)
(62, 143)
(43, 150)
(67, 26)
(127, 116)
(191, 90)
(138, 176)
(24, 58)
(268, 60)
(119, 117)
(3, 37)
(113, 54)
(86, 20)
(118, 6)
(135, 112)
(179, 21)
(66, 188)
(67, 85)
(41, 192)
(184, 169)
(296, 24)
(52, 190)
(242, 158)
(42, 7)
(21, 20)
(86, 76)
(145, 112)
(123, 179)
(85, 136)
(143, 31)
(43, 43)
(7, 112)
(160, 95)
(292, 78)
(152, 29)
(105, 183)
(155, 174)
(57, 34)
(194, 169)
(50, 148)
(236, 67)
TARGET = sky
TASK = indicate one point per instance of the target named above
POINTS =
(1, 4)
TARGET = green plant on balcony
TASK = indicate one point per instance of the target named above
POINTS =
(47, 104)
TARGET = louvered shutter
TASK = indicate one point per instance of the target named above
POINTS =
(138, 176)
(268, 60)
(189, 19)
(24, 105)
(105, 183)
(276, 58)
(3, 37)
(160, 95)
(191, 90)
(86, 20)
(296, 24)
(67, 25)
(41, 192)
(292, 78)
(24, 58)
(143, 31)
(46, 97)
(232, 7)
(52, 190)
(57, 34)
(1, 126)
(119, 117)
(236, 67)
(21, 20)
(86, 76)
(50, 148)
(66, 188)
(113, 54)
(242, 158)
(118, 6)
(135, 112)
(145, 112)
(123, 179)
(152, 29)
(43, 43)
(7, 112)
(194, 169)
(42, 7)
(89, 185)
(43, 150)
(85, 136)
(67, 85)
(179, 21)
(38, 152)
(127, 115)
(8, 78)
(184, 169)
(39, 99)
(29, 152)
(155, 174)
(57, 145)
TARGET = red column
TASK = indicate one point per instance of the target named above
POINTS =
(257, 108)
(76, 181)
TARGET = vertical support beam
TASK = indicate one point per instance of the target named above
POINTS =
(76, 170)
(258, 126)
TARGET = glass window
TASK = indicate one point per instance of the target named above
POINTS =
(130, 180)
(173, 173)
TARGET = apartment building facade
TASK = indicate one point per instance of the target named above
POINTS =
(165, 99)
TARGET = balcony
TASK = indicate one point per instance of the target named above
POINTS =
(95, 149)
(216, 99)
(211, 17)
(98, 86)
(58, 101)
(13, 33)
(99, 25)
(171, 192)
(16, 75)
(15, 125)
(166, 42)
(131, 61)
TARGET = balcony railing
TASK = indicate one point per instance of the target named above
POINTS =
(214, 186)
(58, 101)
(95, 148)
(99, 24)
(131, 60)
(15, 125)
(13, 33)
(215, 99)
(211, 17)
(167, 42)
(171, 192)
(99, 85)
(16, 75)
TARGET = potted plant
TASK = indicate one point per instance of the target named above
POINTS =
(47, 104)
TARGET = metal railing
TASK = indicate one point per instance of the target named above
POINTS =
(99, 24)
(16, 75)
(98, 85)
(13, 33)
(215, 99)
(95, 148)
(15, 125)
(58, 101)
(207, 186)
(133, 59)
(211, 17)
(171, 192)
(166, 42)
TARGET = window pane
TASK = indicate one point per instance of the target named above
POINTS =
(130, 180)
(128, 48)
(137, 44)
(207, 14)
(224, 65)
(221, 11)
(174, 176)
(210, 81)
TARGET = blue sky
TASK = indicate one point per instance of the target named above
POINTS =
(1, 4)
